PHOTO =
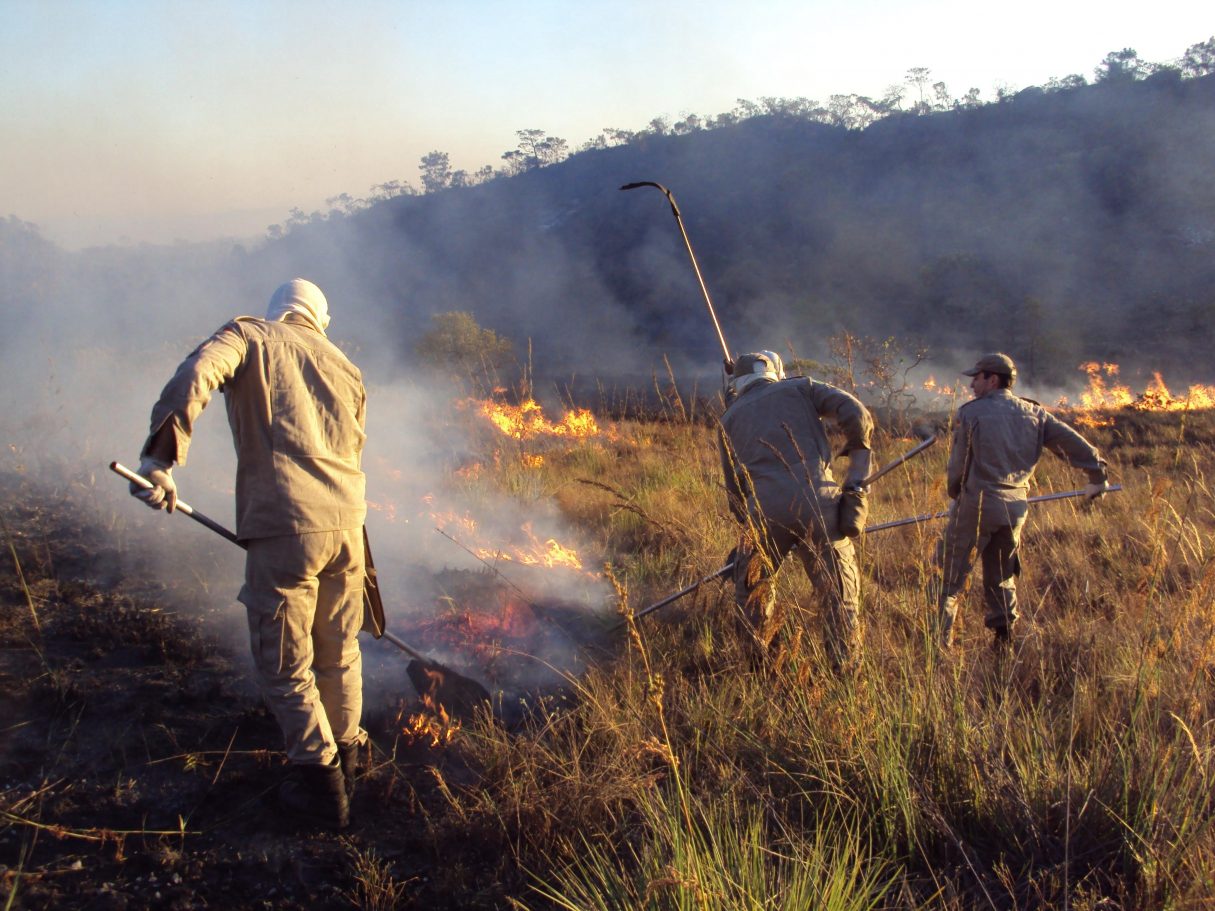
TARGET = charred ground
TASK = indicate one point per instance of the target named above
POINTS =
(138, 762)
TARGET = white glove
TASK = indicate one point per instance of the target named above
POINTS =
(1094, 490)
(163, 493)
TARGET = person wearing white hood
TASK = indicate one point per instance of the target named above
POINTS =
(777, 465)
(297, 409)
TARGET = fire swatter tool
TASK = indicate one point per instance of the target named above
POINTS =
(457, 693)
(930, 516)
(691, 255)
(670, 599)
(910, 453)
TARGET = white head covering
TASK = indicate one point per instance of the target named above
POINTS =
(299, 296)
(778, 365)
(759, 367)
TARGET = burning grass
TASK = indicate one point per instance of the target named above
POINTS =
(526, 420)
(1073, 772)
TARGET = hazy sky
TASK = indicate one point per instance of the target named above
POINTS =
(159, 120)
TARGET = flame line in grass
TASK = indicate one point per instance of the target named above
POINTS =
(527, 420)
(1105, 394)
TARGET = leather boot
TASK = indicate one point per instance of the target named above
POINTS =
(316, 794)
(351, 757)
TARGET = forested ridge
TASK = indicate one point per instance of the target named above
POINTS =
(1060, 224)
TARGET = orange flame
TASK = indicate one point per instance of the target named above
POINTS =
(930, 385)
(527, 420)
(432, 726)
(463, 524)
(550, 554)
(516, 620)
(389, 509)
(1104, 395)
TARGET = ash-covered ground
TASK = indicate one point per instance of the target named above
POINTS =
(137, 761)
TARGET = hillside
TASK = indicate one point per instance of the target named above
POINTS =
(1057, 225)
(1060, 225)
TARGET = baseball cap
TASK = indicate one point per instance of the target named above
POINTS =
(993, 363)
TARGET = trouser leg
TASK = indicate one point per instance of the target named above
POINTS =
(954, 560)
(280, 595)
(338, 661)
(831, 566)
(761, 550)
(1001, 566)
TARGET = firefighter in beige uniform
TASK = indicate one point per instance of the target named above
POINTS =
(296, 406)
(998, 439)
(777, 464)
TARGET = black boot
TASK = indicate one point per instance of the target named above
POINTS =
(351, 757)
(316, 794)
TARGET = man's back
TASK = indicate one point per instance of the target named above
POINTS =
(300, 469)
(776, 448)
(297, 407)
(777, 436)
(998, 442)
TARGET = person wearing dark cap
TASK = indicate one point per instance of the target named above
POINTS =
(998, 438)
(777, 464)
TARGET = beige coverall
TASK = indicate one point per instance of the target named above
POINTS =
(997, 442)
(297, 407)
(777, 464)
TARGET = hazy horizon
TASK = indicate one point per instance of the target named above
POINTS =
(131, 122)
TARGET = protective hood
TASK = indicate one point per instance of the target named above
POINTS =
(299, 296)
(760, 367)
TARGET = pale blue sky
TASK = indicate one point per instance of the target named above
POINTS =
(156, 120)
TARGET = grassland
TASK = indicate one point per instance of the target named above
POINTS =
(1072, 772)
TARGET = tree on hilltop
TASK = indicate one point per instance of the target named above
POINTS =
(436, 172)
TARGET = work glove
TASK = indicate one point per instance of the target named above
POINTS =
(1094, 489)
(859, 461)
(853, 510)
(163, 493)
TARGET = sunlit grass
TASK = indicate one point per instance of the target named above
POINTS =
(1074, 771)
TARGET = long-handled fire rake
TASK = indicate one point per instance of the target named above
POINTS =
(453, 690)
(729, 567)
(929, 516)
(725, 350)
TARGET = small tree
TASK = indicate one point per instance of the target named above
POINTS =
(457, 344)
(1122, 66)
(1199, 59)
(875, 371)
(436, 172)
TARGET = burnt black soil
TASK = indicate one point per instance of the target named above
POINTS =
(137, 761)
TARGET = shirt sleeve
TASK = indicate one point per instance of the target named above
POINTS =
(959, 453)
(734, 484)
(1067, 444)
(853, 417)
(184, 397)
